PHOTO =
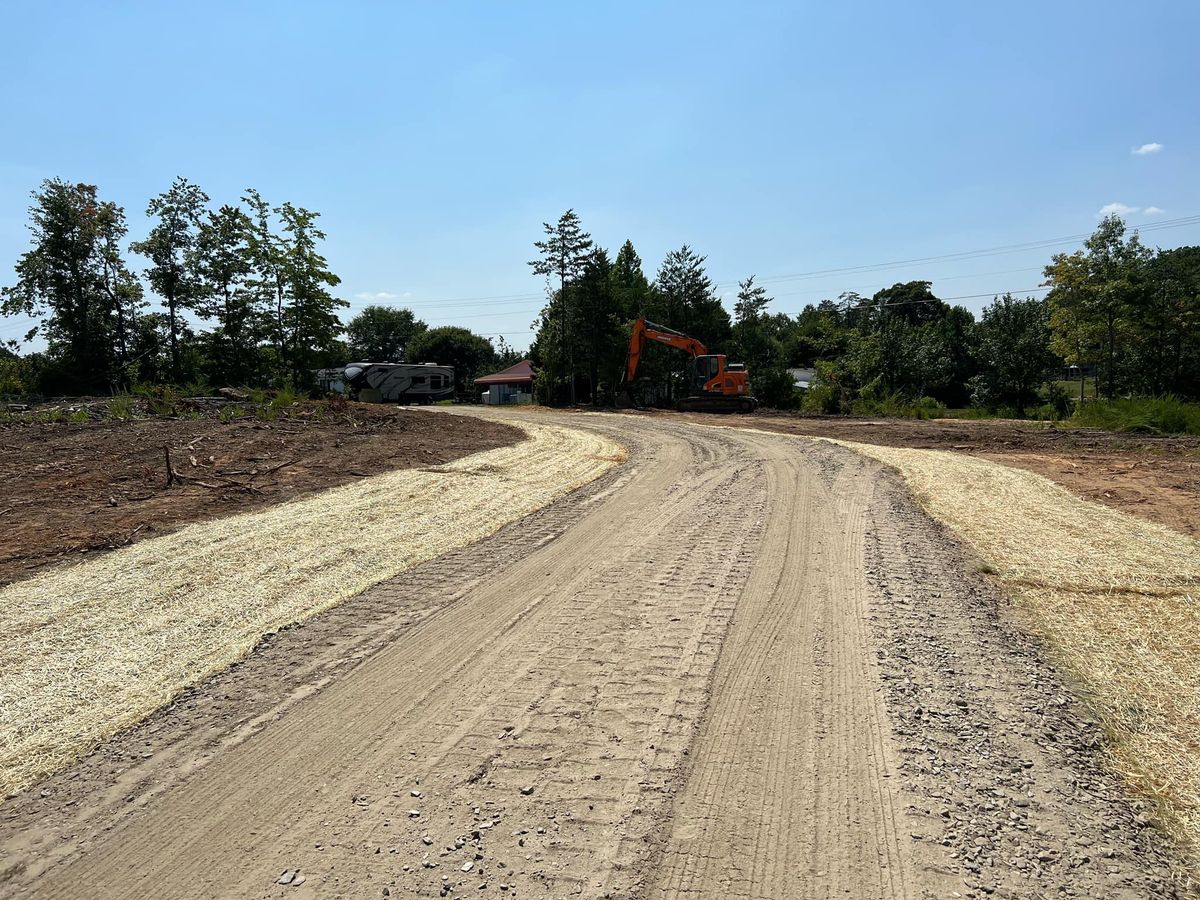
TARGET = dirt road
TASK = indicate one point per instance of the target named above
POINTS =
(742, 665)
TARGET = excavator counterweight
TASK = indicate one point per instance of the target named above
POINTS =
(716, 385)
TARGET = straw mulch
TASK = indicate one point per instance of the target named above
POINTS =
(88, 650)
(1116, 598)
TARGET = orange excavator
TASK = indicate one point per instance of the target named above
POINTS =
(717, 385)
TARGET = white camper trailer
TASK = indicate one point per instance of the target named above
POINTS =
(399, 382)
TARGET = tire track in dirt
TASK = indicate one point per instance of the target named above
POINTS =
(582, 671)
(793, 791)
(732, 670)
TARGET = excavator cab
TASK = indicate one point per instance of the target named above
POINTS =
(717, 385)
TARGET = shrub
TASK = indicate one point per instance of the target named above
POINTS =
(284, 398)
(827, 394)
(1154, 415)
(775, 387)
(896, 406)
(121, 406)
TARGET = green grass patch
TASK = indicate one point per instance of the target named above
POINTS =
(1150, 415)
(897, 406)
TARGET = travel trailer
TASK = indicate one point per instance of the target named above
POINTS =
(398, 382)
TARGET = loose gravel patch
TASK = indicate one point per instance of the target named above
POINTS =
(1116, 599)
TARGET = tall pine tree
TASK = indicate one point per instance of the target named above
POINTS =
(564, 254)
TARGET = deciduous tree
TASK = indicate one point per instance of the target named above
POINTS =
(383, 333)
(74, 281)
(450, 345)
(1014, 352)
(171, 248)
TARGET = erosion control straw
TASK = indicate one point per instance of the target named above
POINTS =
(1116, 598)
(96, 647)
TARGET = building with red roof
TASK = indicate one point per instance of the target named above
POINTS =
(512, 385)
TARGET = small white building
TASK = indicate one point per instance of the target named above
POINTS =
(513, 385)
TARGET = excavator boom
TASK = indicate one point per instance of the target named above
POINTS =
(647, 331)
(717, 386)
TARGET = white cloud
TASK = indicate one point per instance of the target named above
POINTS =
(1153, 211)
(381, 296)
(1147, 149)
(1116, 209)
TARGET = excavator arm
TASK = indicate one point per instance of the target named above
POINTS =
(647, 331)
(715, 385)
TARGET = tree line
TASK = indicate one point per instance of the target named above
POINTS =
(1115, 309)
(246, 297)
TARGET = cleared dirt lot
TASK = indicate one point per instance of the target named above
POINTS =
(69, 490)
(737, 666)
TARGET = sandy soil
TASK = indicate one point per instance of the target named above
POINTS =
(68, 491)
(734, 667)
(1157, 478)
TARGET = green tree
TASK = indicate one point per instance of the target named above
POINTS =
(945, 349)
(629, 285)
(1014, 352)
(565, 252)
(758, 340)
(469, 354)
(383, 333)
(505, 355)
(268, 278)
(124, 293)
(684, 299)
(601, 327)
(310, 316)
(225, 265)
(74, 282)
(1093, 298)
(912, 302)
(1168, 324)
(819, 333)
(171, 248)
(292, 280)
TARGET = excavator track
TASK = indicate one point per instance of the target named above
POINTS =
(717, 404)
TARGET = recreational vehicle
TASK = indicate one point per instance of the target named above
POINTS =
(399, 382)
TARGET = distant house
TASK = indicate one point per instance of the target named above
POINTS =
(513, 385)
(802, 378)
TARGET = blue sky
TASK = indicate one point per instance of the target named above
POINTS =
(777, 138)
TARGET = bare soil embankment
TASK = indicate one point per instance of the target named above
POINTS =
(71, 491)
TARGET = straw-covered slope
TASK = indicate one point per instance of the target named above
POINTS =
(1116, 598)
(87, 650)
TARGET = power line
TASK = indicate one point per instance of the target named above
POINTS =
(968, 254)
(492, 315)
(964, 255)
(870, 303)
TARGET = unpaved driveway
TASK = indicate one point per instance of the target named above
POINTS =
(741, 665)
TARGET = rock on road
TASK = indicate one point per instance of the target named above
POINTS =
(741, 665)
